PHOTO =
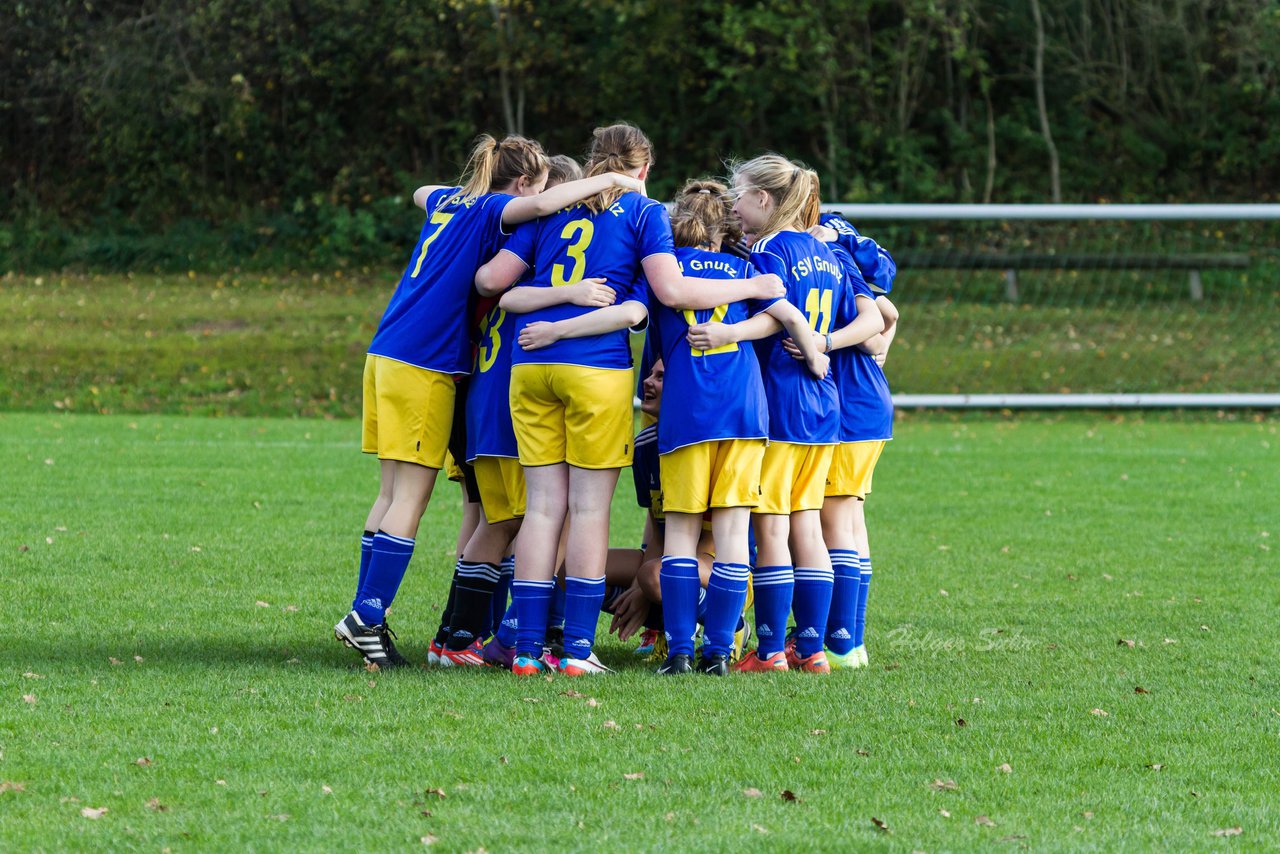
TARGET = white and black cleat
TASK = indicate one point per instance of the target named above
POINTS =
(374, 643)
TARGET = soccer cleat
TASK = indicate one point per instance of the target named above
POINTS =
(740, 640)
(498, 655)
(753, 663)
(659, 653)
(676, 665)
(374, 643)
(550, 657)
(589, 666)
(433, 653)
(862, 655)
(816, 663)
(849, 661)
(555, 641)
(470, 656)
(713, 665)
(647, 640)
(524, 665)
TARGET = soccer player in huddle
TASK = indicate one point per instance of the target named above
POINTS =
(776, 201)
(421, 344)
(571, 387)
(711, 453)
(866, 424)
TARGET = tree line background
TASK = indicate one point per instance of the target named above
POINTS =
(281, 132)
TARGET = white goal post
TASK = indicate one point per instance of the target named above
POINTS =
(865, 216)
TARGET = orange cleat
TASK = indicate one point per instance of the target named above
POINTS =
(753, 663)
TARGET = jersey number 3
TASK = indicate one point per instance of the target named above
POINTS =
(577, 250)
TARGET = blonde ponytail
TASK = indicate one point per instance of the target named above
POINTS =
(795, 191)
(616, 148)
(701, 216)
(494, 165)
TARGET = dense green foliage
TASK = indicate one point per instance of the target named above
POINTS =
(217, 133)
(1058, 645)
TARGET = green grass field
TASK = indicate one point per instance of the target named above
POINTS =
(1072, 636)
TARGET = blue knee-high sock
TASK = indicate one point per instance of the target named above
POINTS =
(531, 600)
(582, 600)
(844, 600)
(555, 618)
(702, 604)
(681, 587)
(366, 552)
(811, 605)
(507, 626)
(726, 594)
(774, 587)
(860, 624)
(507, 571)
(387, 563)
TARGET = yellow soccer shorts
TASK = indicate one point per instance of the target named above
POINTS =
(408, 412)
(572, 414)
(451, 468)
(501, 482)
(792, 477)
(852, 467)
(720, 473)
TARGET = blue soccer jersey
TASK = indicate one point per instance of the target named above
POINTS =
(646, 472)
(425, 323)
(866, 407)
(489, 429)
(876, 265)
(719, 392)
(576, 244)
(802, 409)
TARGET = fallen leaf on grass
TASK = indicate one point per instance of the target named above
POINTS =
(639, 775)
(1087, 814)
(262, 604)
(1140, 690)
(753, 793)
(284, 816)
(1107, 577)
(1169, 640)
(961, 722)
(290, 609)
(611, 725)
(789, 796)
(372, 667)
(1204, 628)
(1155, 766)
(1194, 793)
(758, 828)
(944, 813)
(11, 786)
(862, 753)
(1228, 831)
(577, 695)
(114, 660)
(1124, 642)
(438, 792)
(138, 659)
(94, 813)
(943, 593)
(1005, 768)
(592, 702)
(29, 698)
(326, 790)
(220, 782)
(1099, 713)
(943, 785)
(155, 806)
(983, 821)
(24, 548)
(429, 840)
(532, 699)
(881, 826)
(144, 762)
(817, 732)
(30, 675)
(502, 760)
